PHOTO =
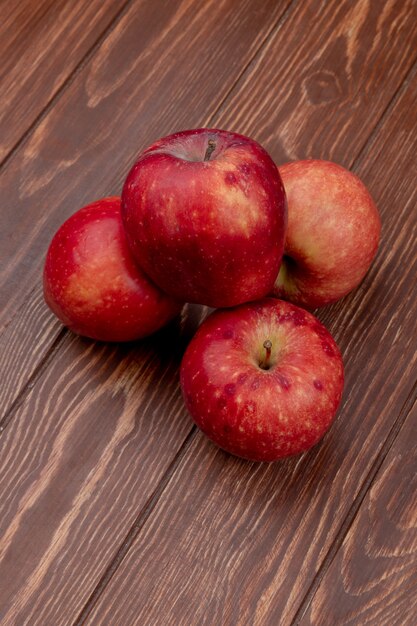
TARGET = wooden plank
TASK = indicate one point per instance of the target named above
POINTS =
(373, 578)
(41, 44)
(239, 543)
(158, 71)
(89, 442)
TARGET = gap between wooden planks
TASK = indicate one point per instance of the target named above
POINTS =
(327, 139)
(251, 560)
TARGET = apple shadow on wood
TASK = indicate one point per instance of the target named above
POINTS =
(166, 345)
(279, 484)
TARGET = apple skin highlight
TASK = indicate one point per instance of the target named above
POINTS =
(333, 233)
(92, 284)
(205, 215)
(258, 413)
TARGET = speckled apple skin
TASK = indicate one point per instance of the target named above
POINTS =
(92, 284)
(209, 232)
(333, 233)
(254, 413)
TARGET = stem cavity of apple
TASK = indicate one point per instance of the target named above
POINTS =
(210, 149)
(266, 363)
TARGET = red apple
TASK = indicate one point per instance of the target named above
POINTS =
(92, 284)
(205, 215)
(263, 380)
(333, 233)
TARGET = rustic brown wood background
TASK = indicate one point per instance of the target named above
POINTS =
(113, 509)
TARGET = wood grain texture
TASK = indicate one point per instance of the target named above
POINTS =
(156, 72)
(41, 44)
(321, 83)
(373, 579)
(82, 457)
(34, 326)
(239, 543)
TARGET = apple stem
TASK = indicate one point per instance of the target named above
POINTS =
(210, 149)
(268, 348)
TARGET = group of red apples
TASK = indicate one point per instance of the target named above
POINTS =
(206, 217)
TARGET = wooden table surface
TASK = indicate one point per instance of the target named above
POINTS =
(114, 509)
